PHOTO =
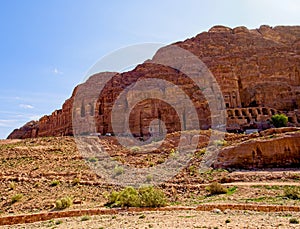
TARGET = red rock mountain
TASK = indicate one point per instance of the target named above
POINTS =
(258, 72)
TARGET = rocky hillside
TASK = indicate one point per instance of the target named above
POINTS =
(258, 71)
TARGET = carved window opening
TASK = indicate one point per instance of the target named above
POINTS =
(91, 106)
(237, 113)
(101, 108)
(244, 113)
(258, 111)
(251, 111)
(82, 110)
(184, 120)
(273, 112)
(265, 111)
(229, 112)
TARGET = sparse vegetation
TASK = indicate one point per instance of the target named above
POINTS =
(142, 197)
(17, 197)
(174, 153)
(142, 216)
(76, 181)
(216, 189)
(37, 184)
(294, 221)
(292, 192)
(135, 149)
(92, 160)
(63, 203)
(279, 120)
(220, 143)
(54, 183)
(58, 222)
(231, 190)
(85, 218)
(149, 178)
(200, 153)
(12, 185)
(193, 170)
(118, 170)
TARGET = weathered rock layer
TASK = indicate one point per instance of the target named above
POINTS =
(270, 152)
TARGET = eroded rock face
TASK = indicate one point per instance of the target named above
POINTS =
(257, 68)
(272, 151)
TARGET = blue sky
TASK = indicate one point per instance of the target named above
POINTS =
(46, 47)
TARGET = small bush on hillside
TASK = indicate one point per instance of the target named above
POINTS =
(76, 181)
(294, 221)
(292, 192)
(279, 120)
(93, 160)
(216, 189)
(193, 170)
(118, 170)
(135, 149)
(151, 197)
(17, 197)
(54, 183)
(128, 197)
(63, 203)
(220, 143)
(142, 197)
(85, 218)
(12, 185)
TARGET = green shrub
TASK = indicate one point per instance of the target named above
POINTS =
(142, 216)
(76, 181)
(54, 183)
(17, 197)
(135, 149)
(279, 120)
(12, 185)
(63, 203)
(92, 159)
(220, 142)
(128, 197)
(37, 184)
(151, 197)
(193, 170)
(143, 197)
(216, 189)
(294, 221)
(85, 218)
(292, 192)
(231, 190)
(58, 222)
(118, 170)
(174, 153)
(149, 178)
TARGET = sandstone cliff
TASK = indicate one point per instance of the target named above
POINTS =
(258, 72)
(269, 152)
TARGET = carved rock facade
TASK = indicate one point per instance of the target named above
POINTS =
(258, 72)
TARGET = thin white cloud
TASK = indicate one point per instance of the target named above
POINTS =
(7, 122)
(35, 117)
(56, 71)
(26, 106)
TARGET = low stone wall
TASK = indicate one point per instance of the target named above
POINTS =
(26, 218)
